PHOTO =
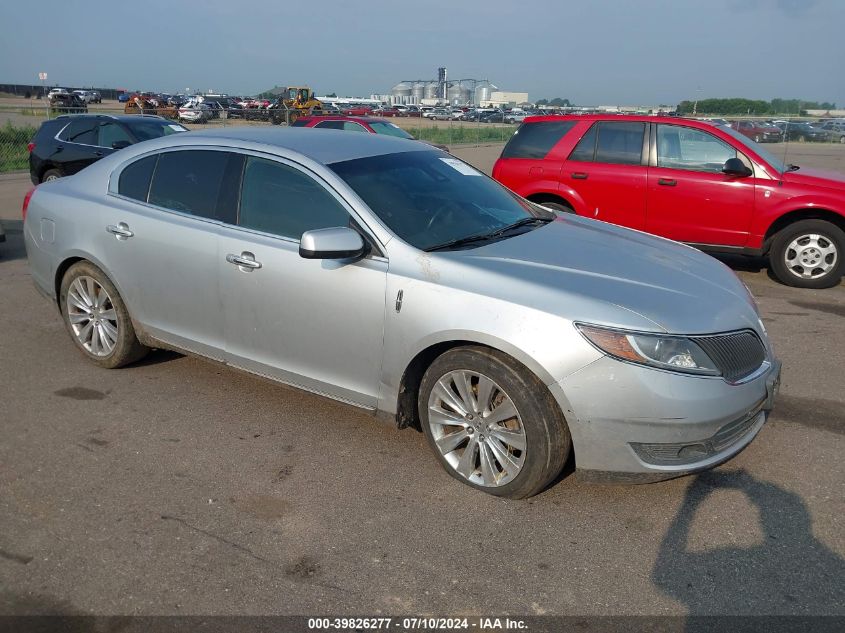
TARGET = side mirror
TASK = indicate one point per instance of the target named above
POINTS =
(735, 167)
(120, 144)
(334, 243)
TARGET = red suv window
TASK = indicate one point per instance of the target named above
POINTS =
(616, 142)
(535, 140)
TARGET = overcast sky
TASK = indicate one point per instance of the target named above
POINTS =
(593, 52)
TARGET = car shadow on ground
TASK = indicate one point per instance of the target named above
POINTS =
(760, 579)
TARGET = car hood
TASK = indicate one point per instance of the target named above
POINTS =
(816, 178)
(591, 271)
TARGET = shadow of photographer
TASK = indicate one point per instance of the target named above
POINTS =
(789, 573)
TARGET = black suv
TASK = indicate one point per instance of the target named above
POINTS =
(66, 144)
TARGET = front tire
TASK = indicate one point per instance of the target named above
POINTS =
(492, 423)
(97, 319)
(808, 254)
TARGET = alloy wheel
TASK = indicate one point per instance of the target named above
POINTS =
(92, 316)
(477, 428)
(811, 256)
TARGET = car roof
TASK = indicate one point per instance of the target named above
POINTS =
(344, 117)
(323, 146)
(637, 118)
(127, 118)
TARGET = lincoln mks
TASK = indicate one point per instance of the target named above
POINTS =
(389, 275)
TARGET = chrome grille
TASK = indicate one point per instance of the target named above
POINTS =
(737, 354)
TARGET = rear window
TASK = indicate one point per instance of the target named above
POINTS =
(536, 140)
(188, 181)
(49, 129)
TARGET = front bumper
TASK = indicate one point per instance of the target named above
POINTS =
(636, 424)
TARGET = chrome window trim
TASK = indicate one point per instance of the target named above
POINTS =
(56, 137)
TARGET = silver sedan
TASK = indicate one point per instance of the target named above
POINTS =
(394, 277)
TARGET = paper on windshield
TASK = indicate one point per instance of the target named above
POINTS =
(460, 167)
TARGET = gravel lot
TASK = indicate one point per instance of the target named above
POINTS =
(180, 487)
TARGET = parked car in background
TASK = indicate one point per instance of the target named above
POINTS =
(515, 117)
(835, 130)
(58, 91)
(358, 124)
(86, 95)
(194, 112)
(685, 180)
(67, 144)
(385, 111)
(357, 110)
(440, 114)
(802, 132)
(551, 336)
(757, 131)
(123, 97)
(496, 116)
(68, 103)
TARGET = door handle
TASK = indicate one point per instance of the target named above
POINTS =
(120, 231)
(98, 153)
(579, 175)
(667, 182)
(245, 261)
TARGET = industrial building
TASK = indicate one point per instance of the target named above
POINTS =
(479, 92)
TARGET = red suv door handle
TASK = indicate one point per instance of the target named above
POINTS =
(668, 182)
(579, 175)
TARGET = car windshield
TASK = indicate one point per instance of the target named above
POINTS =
(430, 199)
(761, 151)
(149, 129)
(389, 129)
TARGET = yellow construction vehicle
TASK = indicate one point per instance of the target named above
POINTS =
(292, 103)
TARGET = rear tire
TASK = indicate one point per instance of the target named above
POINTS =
(514, 429)
(808, 254)
(51, 174)
(97, 319)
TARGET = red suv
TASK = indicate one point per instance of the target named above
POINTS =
(372, 125)
(686, 180)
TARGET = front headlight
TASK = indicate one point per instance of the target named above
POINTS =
(675, 353)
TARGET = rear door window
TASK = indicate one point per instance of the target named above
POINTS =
(82, 131)
(189, 181)
(536, 140)
(620, 142)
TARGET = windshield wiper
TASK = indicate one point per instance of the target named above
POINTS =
(458, 242)
(486, 236)
(517, 224)
(791, 167)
